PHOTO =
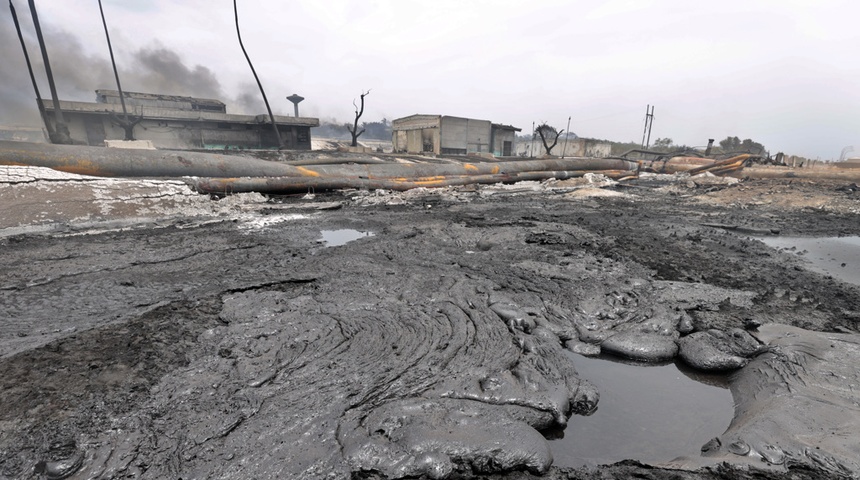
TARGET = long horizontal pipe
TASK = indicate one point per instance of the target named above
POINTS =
(418, 170)
(333, 161)
(740, 159)
(808, 173)
(692, 165)
(284, 185)
(110, 162)
(118, 162)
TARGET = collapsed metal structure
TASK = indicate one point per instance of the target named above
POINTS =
(696, 165)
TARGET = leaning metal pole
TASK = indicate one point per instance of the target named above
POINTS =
(565, 138)
(127, 126)
(650, 124)
(265, 100)
(645, 129)
(42, 112)
(61, 134)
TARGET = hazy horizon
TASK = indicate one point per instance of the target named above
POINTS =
(778, 72)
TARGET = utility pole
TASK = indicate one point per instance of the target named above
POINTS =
(126, 124)
(532, 144)
(566, 136)
(61, 131)
(44, 115)
(649, 122)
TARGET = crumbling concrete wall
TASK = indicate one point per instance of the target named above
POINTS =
(579, 147)
(417, 134)
(503, 142)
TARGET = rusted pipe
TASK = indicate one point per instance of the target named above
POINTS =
(729, 161)
(159, 163)
(417, 170)
(676, 164)
(725, 169)
(115, 162)
(334, 161)
(852, 175)
(693, 165)
(285, 185)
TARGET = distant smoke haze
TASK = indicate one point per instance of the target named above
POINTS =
(151, 69)
(249, 100)
(17, 100)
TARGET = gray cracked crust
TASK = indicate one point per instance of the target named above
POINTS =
(223, 354)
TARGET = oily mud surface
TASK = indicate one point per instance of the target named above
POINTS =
(230, 342)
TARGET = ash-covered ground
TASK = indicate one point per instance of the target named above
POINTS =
(150, 332)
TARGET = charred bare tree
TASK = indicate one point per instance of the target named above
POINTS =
(127, 123)
(359, 111)
(546, 131)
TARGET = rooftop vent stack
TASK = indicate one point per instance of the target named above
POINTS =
(295, 99)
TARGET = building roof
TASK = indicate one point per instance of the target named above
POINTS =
(160, 97)
(414, 122)
(512, 128)
(161, 113)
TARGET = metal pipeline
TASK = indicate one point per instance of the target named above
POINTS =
(740, 159)
(159, 163)
(286, 185)
(116, 162)
(333, 161)
(847, 175)
(693, 165)
(418, 170)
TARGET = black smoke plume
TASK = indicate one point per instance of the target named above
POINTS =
(152, 69)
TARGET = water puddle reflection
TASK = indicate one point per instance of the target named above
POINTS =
(836, 256)
(334, 238)
(646, 412)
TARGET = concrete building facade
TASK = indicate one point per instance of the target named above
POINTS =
(176, 122)
(447, 135)
(573, 147)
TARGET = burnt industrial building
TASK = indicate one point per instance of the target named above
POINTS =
(177, 122)
(446, 135)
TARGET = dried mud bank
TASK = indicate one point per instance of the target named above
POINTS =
(237, 345)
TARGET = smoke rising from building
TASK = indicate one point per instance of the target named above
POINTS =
(151, 69)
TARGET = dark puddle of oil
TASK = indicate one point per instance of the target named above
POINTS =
(334, 238)
(651, 413)
(835, 256)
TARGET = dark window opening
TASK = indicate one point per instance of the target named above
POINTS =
(453, 151)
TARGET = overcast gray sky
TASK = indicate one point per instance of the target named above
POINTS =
(782, 72)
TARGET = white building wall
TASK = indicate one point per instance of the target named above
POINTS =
(465, 135)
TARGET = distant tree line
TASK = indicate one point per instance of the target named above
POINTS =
(734, 144)
(664, 145)
(727, 145)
